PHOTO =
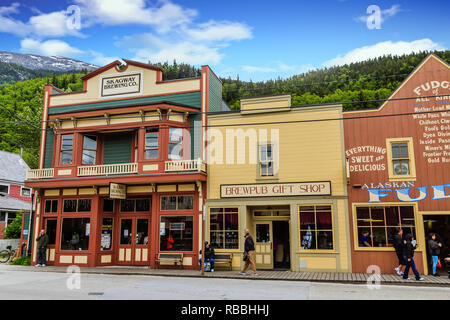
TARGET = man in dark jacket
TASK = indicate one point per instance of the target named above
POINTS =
(408, 253)
(209, 255)
(249, 253)
(42, 242)
(398, 246)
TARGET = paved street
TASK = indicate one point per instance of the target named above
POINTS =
(52, 285)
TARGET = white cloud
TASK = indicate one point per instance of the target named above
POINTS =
(42, 25)
(384, 14)
(150, 47)
(220, 31)
(49, 48)
(193, 44)
(173, 33)
(13, 8)
(100, 59)
(383, 48)
(120, 12)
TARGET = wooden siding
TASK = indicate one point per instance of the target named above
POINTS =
(49, 145)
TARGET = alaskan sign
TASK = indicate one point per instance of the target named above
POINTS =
(121, 84)
(320, 188)
(406, 191)
(117, 191)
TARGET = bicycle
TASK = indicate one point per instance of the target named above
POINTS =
(8, 255)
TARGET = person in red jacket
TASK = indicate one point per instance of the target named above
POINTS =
(170, 242)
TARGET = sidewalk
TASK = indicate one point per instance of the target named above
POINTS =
(356, 278)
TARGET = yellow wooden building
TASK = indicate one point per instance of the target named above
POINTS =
(279, 171)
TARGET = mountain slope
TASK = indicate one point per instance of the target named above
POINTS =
(53, 63)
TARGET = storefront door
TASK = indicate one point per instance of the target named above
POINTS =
(263, 245)
(134, 241)
(440, 225)
(50, 230)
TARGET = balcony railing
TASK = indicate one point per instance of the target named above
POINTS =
(185, 165)
(35, 174)
(108, 169)
(119, 169)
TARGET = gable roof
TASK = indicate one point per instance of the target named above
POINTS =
(12, 167)
(116, 64)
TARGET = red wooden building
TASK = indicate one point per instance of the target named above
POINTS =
(398, 160)
(129, 129)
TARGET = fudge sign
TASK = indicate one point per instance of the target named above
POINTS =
(276, 189)
(126, 84)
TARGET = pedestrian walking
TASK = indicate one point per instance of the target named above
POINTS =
(408, 253)
(249, 253)
(435, 250)
(42, 241)
(398, 246)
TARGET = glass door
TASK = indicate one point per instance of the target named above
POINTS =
(134, 241)
(263, 245)
(50, 230)
(141, 243)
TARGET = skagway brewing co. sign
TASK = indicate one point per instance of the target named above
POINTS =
(126, 84)
(321, 188)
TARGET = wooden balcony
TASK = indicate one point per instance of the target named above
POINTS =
(185, 165)
(36, 174)
(107, 170)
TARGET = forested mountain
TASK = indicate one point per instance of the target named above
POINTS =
(10, 73)
(21, 113)
(369, 80)
(372, 79)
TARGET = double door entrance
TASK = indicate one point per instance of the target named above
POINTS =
(134, 245)
(272, 249)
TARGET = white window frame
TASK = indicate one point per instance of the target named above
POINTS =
(21, 191)
(6, 185)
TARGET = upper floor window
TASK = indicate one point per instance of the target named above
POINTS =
(25, 192)
(152, 143)
(66, 149)
(4, 189)
(266, 160)
(89, 150)
(175, 143)
(401, 158)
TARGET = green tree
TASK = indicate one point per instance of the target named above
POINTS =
(14, 229)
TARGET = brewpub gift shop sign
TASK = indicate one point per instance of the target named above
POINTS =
(322, 188)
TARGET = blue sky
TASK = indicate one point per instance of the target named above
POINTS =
(256, 39)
